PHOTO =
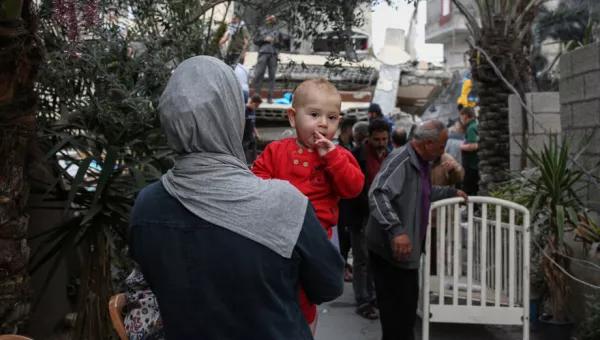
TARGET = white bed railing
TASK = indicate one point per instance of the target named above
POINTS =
(482, 264)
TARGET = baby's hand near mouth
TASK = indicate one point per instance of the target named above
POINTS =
(323, 145)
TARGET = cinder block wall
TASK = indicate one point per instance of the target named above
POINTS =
(580, 106)
(546, 108)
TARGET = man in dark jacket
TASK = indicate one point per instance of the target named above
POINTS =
(399, 202)
(267, 41)
(369, 155)
(346, 141)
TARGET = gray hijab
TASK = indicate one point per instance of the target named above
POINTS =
(203, 114)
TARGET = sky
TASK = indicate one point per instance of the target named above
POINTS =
(384, 17)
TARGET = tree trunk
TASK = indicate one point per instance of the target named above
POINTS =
(513, 63)
(349, 47)
(20, 58)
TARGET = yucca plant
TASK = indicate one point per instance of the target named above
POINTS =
(504, 30)
(553, 193)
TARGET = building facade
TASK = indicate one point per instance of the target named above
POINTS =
(445, 25)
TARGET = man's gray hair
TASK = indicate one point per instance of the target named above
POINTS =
(429, 130)
(361, 128)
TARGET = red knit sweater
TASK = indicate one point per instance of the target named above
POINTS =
(324, 180)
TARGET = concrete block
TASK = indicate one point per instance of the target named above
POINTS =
(582, 186)
(591, 85)
(577, 139)
(571, 89)
(593, 195)
(564, 66)
(550, 122)
(515, 163)
(528, 100)
(566, 117)
(585, 59)
(586, 113)
(593, 147)
(515, 143)
(545, 102)
(515, 120)
(537, 142)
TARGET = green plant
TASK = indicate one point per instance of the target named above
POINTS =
(554, 207)
(552, 191)
(590, 328)
(99, 128)
(587, 231)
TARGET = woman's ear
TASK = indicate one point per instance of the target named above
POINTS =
(291, 113)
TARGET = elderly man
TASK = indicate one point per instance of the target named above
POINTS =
(399, 200)
(399, 138)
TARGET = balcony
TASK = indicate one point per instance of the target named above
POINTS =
(444, 21)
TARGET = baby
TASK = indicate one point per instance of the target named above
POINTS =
(311, 162)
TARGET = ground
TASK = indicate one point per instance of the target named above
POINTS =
(337, 320)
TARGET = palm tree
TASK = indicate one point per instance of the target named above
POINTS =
(504, 32)
(20, 57)
(572, 24)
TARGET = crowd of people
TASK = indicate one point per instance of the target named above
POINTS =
(224, 251)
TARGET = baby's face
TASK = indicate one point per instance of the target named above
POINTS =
(320, 112)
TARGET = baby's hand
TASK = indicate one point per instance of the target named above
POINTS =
(323, 145)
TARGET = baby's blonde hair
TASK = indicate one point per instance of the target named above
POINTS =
(302, 91)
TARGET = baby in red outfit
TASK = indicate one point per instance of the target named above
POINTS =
(311, 162)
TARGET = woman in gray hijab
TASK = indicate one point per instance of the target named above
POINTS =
(223, 250)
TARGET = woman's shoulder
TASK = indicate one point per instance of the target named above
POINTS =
(152, 198)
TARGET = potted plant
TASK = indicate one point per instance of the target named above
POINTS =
(551, 190)
(554, 210)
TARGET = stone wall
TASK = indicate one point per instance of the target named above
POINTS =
(580, 106)
(546, 107)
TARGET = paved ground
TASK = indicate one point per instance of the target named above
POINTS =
(337, 320)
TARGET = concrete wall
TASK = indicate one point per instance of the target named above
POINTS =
(579, 291)
(546, 107)
(580, 106)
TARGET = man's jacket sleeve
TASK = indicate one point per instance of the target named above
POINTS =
(388, 185)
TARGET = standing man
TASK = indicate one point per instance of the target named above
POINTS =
(399, 138)
(267, 41)
(238, 33)
(242, 72)
(469, 149)
(360, 132)
(376, 113)
(250, 132)
(399, 199)
(345, 139)
(369, 156)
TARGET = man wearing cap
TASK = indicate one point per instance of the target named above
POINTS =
(376, 113)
